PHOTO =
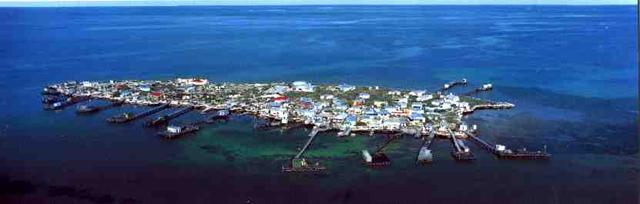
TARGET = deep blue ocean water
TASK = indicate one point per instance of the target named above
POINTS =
(571, 71)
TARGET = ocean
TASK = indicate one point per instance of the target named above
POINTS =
(571, 71)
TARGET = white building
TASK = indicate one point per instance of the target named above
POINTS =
(417, 92)
(345, 87)
(302, 86)
(424, 97)
(364, 96)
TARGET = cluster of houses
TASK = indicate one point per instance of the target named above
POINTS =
(343, 106)
(416, 109)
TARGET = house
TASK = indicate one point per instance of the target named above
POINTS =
(339, 105)
(425, 97)
(351, 120)
(394, 123)
(384, 113)
(198, 82)
(144, 87)
(380, 103)
(417, 92)
(326, 97)
(397, 93)
(280, 99)
(403, 102)
(364, 96)
(452, 97)
(417, 117)
(345, 87)
(358, 102)
(302, 86)
(417, 107)
(277, 89)
(370, 111)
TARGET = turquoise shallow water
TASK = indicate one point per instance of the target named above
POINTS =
(571, 71)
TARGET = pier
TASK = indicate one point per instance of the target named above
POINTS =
(452, 84)
(86, 109)
(495, 105)
(460, 152)
(484, 87)
(299, 164)
(126, 117)
(503, 153)
(68, 102)
(425, 154)
(312, 136)
(344, 132)
(379, 159)
(164, 120)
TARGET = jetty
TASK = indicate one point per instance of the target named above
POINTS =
(425, 155)
(502, 152)
(484, 87)
(460, 151)
(68, 102)
(379, 158)
(86, 109)
(299, 164)
(488, 106)
(452, 84)
(164, 120)
(127, 117)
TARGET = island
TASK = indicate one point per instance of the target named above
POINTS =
(346, 109)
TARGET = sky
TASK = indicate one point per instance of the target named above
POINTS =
(45, 3)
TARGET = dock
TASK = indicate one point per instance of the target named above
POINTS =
(452, 84)
(312, 136)
(86, 109)
(299, 164)
(493, 105)
(344, 132)
(164, 120)
(127, 117)
(484, 87)
(502, 152)
(68, 102)
(460, 152)
(379, 158)
(425, 155)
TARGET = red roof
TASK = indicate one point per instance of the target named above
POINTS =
(280, 98)
(155, 93)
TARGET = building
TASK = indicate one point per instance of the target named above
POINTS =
(345, 87)
(424, 97)
(302, 86)
(364, 96)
